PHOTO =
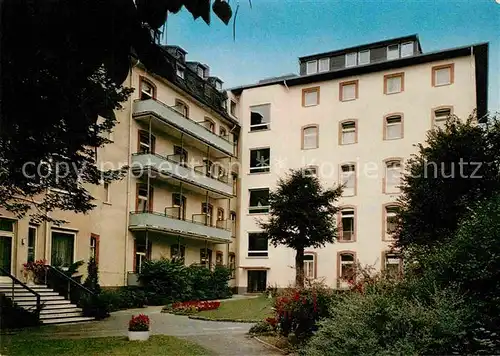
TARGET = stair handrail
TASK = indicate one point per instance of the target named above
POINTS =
(70, 279)
(14, 279)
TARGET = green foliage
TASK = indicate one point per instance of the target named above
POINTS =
(122, 298)
(14, 317)
(384, 323)
(167, 281)
(302, 215)
(262, 328)
(454, 168)
(92, 280)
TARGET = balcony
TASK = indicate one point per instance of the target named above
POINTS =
(196, 178)
(166, 118)
(171, 222)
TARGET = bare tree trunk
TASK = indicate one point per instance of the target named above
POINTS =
(299, 268)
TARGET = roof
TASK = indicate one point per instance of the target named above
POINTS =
(413, 37)
(480, 51)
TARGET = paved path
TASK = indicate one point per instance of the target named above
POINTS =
(225, 338)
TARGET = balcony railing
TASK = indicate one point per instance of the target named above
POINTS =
(176, 167)
(174, 118)
(173, 220)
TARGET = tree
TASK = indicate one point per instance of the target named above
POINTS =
(302, 215)
(63, 63)
(456, 167)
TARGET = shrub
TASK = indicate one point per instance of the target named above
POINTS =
(92, 280)
(37, 269)
(14, 316)
(262, 328)
(139, 323)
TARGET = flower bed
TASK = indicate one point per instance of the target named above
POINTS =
(191, 307)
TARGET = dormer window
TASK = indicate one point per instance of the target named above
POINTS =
(218, 85)
(180, 71)
(312, 67)
(407, 49)
(364, 57)
(393, 52)
(201, 72)
(351, 59)
(324, 65)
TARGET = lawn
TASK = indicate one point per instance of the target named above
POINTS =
(252, 309)
(109, 346)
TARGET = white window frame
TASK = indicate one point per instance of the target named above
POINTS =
(402, 54)
(258, 209)
(310, 92)
(436, 84)
(440, 120)
(387, 86)
(344, 86)
(144, 84)
(345, 176)
(314, 134)
(388, 50)
(260, 169)
(388, 125)
(390, 167)
(107, 193)
(315, 62)
(359, 57)
(310, 265)
(310, 171)
(351, 55)
(348, 213)
(343, 263)
(69, 232)
(323, 61)
(31, 227)
(347, 130)
(266, 125)
(389, 214)
(257, 253)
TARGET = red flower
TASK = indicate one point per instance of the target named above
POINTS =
(139, 323)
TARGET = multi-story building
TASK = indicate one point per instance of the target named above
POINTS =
(179, 197)
(351, 116)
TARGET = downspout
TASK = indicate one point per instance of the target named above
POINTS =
(129, 160)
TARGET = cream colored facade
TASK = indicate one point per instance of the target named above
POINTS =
(415, 104)
(124, 229)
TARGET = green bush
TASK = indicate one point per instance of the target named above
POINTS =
(385, 323)
(14, 316)
(166, 281)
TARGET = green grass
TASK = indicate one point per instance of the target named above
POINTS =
(108, 346)
(254, 309)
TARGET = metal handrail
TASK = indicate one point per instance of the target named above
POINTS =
(14, 279)
(70, 280)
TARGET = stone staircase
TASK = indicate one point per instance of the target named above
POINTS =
(55, 308)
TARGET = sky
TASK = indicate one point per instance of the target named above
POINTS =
(272, 34)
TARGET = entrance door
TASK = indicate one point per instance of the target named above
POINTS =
(5, 254)
(257, 281)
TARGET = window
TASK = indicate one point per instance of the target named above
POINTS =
(393, 83)
(310, 137)
(235, 183)
(107, 196)
(219, 258)
(179, 202)
(390, 220)
(208, 165)
(220, 214)
(392, 176)
(232, 264)
(346, 262)
(32, 232)
(223, 133)
(180, 155)
(349, 90)
(393, 52)
(232, 225)
(311, 67)
(62, 248)
(407, 49)
(146, 142)
(232, 108)
(441, 116)
(7, 225)
(206, 257)
(310, 171)
(324, 64)
(348, 134)
(347, 227)
(309, 265)
(310, 96)
(181, 108)
(94, 247)
(143, 204)
(351, 59)
(218, 85)
(259, 201)
(364, 57)
(348, 179)
(260, 160)
(180, 71)
(208, 211)
(392, 263)
(260, 117)
(178, 252)
(257, 244)
(393, 127)
(209, 124)
(148, 91)
(142, 253)
(442, 75)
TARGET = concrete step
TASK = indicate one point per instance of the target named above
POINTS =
(60, 315)
(25, 293)
(32, 297)
(19, 287)
(28, 303)
(64, 308)
(58, 306)
(67, 320)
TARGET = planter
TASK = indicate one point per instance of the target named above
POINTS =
(138, 335)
